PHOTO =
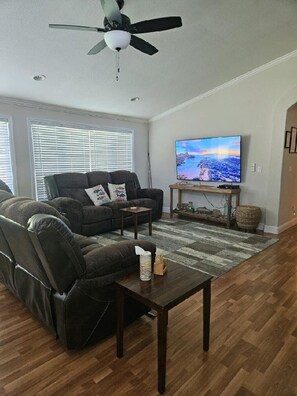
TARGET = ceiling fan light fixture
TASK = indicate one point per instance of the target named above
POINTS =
(117, 39)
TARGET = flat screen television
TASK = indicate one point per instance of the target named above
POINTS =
(213, 159)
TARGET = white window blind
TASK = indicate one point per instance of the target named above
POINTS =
(60, 149)
(6, 171)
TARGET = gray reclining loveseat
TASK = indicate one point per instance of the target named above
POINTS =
(66, 280)
(67, 193)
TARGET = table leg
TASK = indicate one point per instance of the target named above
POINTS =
(179, 199)
(206, 315)
(237, 199)
(229, 210)
(171, 203)
(120, 322)
(162, 348)
(122, 223)
(150, 223)
(135, 225)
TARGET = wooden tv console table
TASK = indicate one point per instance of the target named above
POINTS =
(229, 193)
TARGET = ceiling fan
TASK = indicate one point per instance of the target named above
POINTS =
(119, 32)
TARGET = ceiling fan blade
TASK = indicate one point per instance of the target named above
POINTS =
(143, 45)
(112, 11)
(97, 48)
(76, 27)
(155, 25)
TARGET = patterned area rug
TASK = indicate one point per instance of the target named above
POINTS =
(210, 249)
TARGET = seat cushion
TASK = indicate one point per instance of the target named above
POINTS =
(117, 206)
(94, 214)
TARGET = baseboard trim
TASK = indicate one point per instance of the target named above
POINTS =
(287, 225)
(271, 229)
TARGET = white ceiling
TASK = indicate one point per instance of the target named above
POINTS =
(219, 40)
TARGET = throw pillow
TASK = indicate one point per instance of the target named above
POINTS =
(97, 195)
(117, 192)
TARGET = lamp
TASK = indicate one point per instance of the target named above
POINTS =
(117, 39)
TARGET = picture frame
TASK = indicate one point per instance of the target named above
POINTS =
(287, 139)
(293, 140)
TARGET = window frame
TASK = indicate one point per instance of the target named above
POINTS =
(65, 124)
(8, 119)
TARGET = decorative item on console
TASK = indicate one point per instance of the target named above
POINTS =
(189, 207)
(183, 207)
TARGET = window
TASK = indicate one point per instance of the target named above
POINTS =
(63, 148)
(6, 172)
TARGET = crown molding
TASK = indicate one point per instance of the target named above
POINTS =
(234, 81)
(68, 110)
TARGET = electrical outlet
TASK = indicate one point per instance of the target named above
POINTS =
(253, 167)
(294, 210)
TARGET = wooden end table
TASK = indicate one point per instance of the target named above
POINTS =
(163, 293)
(136, 211)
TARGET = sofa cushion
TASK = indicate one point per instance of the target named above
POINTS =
(128, 178)
(61, 256)
(95, 214)
(72, 185)
(22, 250)
(4, 187)
(117, 192)
(111, 260)
(97, 195)
(71, 180)
(20, 209)
(117, 206)
(99, 177)
(78, 194)
(4, 195)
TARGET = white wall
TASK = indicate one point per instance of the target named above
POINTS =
(253, 106)
(288, 196)
(21, 112)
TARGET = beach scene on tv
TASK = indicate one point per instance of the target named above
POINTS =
(214, 159)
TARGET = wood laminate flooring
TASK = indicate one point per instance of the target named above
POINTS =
(253, 345)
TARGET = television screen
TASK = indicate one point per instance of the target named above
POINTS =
(214, 159)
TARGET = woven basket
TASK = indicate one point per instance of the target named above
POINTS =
(248, 217)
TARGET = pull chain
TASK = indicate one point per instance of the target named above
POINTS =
(117, 65)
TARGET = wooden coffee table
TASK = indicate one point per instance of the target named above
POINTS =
(163, 293)
(136, 211)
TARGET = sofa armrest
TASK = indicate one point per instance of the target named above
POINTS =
(153, 193)
(71, 209)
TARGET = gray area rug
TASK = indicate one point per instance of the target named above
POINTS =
(210, 249)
